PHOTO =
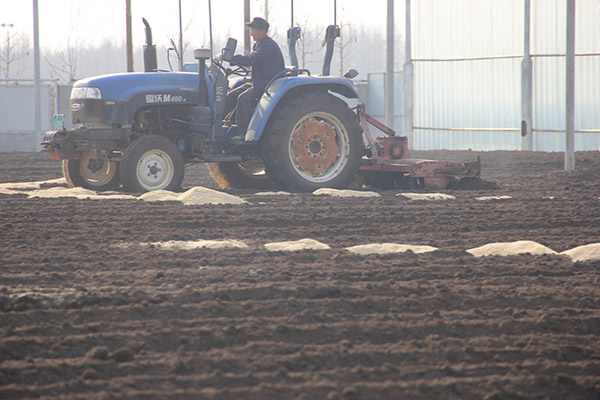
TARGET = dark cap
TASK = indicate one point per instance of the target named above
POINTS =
(258, 23)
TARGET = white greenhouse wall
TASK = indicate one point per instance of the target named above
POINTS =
(376, 99)
(17, 121)
(453, 95)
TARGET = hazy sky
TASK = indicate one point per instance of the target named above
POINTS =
(90, 22)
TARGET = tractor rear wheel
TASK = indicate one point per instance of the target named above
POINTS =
(92, 172)
(248, 174)
(314, 141)
(152, 162)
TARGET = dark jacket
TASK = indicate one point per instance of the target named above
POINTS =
(266, 61)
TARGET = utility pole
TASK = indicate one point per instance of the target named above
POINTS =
(36, 68)
(527, 85)
(7, 26)
(389, 69)
(128, 36)
(267, 10)
(246, 30)
(180, 40)
(570, 109)
(408, 112)
(210, 27)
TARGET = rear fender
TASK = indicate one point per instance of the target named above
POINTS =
(284, 88)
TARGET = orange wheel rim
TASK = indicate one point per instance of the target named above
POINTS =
(315, 147)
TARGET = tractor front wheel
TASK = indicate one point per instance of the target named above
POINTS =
(92, 172)
(150, 163)
(314, 141)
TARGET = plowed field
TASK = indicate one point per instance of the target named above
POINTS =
(86, 312)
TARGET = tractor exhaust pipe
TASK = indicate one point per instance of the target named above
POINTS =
(332, 32)
(293, 35)
(150, 63)
(201, 114)
(202, 55)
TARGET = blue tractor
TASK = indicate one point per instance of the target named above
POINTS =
(139, 130)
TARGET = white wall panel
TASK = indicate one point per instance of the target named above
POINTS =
(376, 96)
(486, 93)
(17, 120)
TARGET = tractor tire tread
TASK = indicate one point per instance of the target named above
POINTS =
(228, 176)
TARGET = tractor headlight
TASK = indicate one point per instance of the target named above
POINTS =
(85, 93)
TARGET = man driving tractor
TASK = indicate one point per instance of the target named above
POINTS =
(266, 61)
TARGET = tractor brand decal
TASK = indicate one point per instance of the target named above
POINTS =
(220, 93)
(164, 98)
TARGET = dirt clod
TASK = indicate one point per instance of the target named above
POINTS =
(98, 353)
(124, 354)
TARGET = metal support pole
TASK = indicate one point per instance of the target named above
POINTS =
(408, 116)
(36, 68)
(128, 36)
(267, 10)
(247, 46)
(180, 40)
(210, 32)
(527, 85)
(335, 12)
(389, 66)
(570, 109)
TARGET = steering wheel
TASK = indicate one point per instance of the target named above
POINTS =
(239, 70)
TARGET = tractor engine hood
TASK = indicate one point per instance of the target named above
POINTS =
(115, 98)
(121, 87)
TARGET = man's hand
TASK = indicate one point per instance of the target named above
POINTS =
(218, 58)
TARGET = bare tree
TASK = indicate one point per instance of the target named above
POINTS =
(186, 41)
(257, 8)
(309, 35)
(13, 48)
(346, 41)
(66, 68)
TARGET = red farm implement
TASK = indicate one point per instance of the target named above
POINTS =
(389, 164)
